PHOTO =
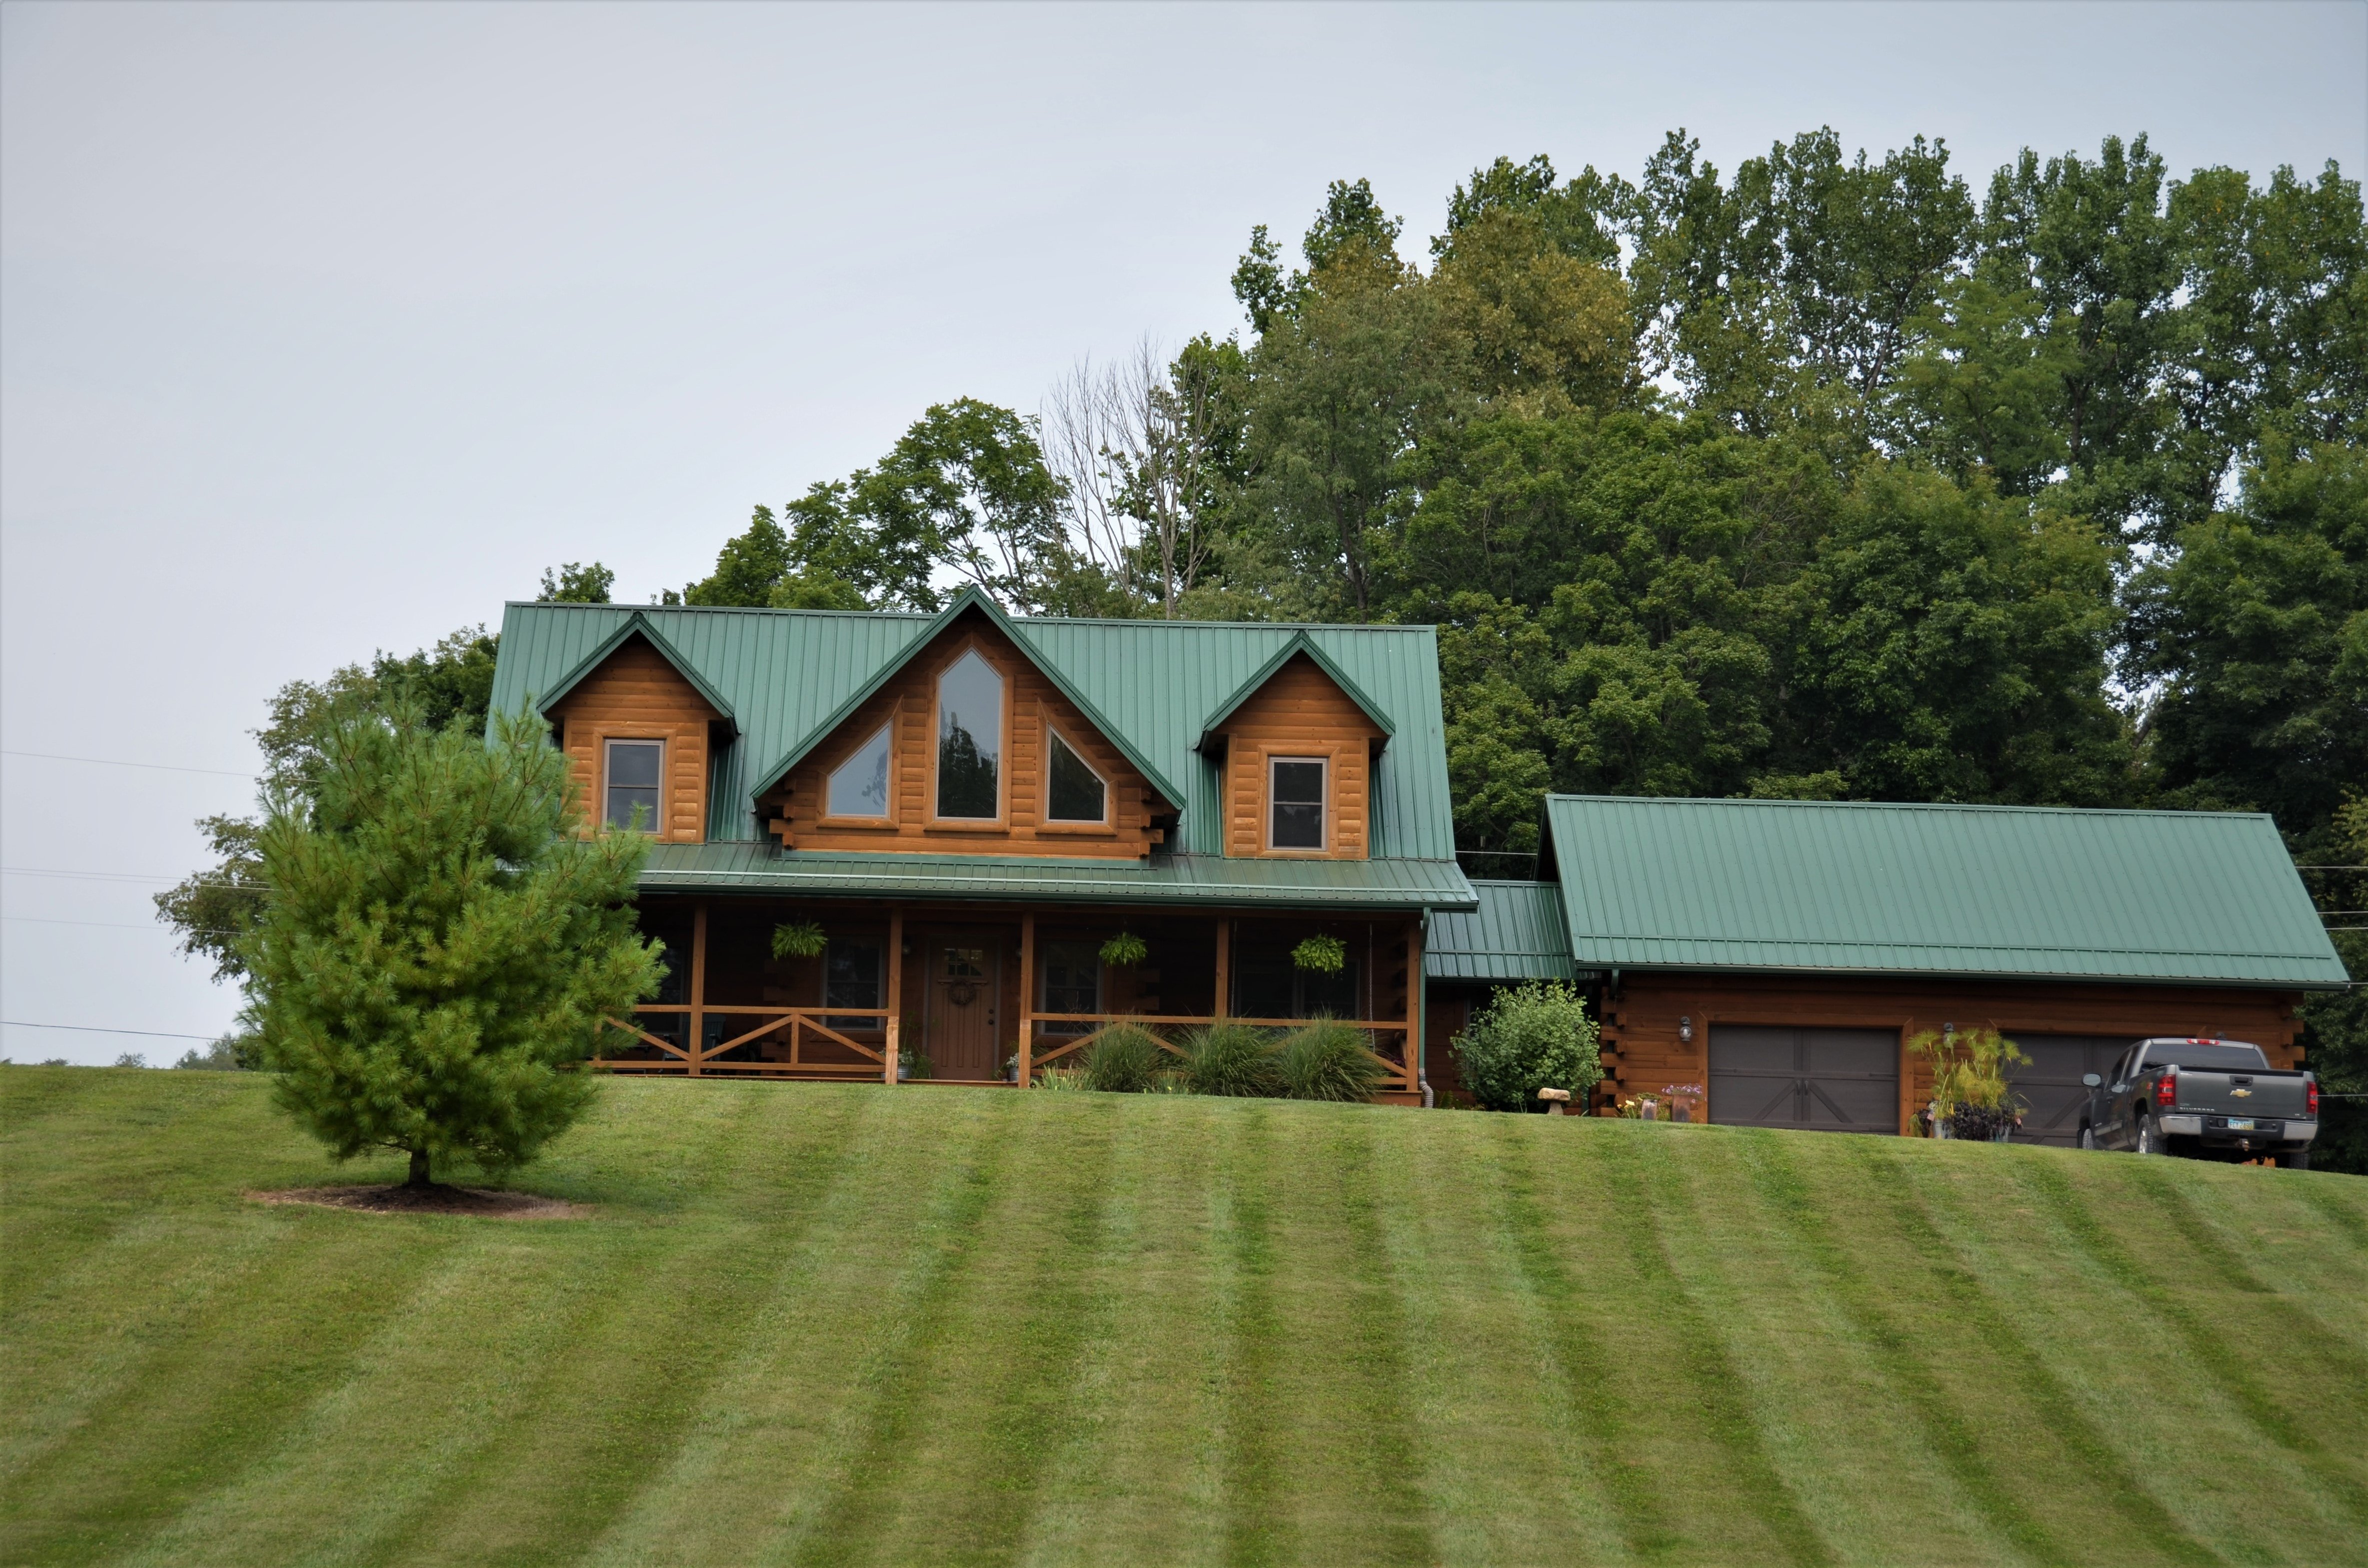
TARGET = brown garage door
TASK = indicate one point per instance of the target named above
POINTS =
(1825, 1080)
(2050, 1086)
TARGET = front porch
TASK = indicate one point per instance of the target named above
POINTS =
(993, 994)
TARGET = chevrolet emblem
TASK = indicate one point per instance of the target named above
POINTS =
(2241, 1093)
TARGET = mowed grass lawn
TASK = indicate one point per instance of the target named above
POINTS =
(822, 1323)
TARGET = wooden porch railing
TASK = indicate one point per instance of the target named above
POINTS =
(1401, 1073)
(696, 1060)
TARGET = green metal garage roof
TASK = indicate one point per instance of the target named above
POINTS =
(2193, 897)
(1515, 934)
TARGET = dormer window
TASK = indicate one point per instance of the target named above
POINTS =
(1074, 791)
(634, 767)
(1295, 792)
(970, 740)
(858, 787)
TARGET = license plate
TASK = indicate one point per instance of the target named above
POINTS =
(2240, 1124)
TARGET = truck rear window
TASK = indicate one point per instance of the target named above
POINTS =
(2221, 1058)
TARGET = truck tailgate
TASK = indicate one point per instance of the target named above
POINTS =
(2258, 1093)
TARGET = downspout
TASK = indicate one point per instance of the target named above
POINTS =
(1420, 982)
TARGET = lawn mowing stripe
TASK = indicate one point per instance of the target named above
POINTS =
(2146, 1515)
(1575, 1351)
(1951, 1438)
(1718, 1385)
(2320, 1195)
(1028, 1405)
(592, 1434)
(853, 1515)
(2207, 1351)
(1393, 1456)
(1257, 1531)
(217, 1396)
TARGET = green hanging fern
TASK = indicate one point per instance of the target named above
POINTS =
(1325, 955)
(1124, 950)
(797, 939)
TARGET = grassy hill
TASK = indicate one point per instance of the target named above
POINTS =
(821, 1324)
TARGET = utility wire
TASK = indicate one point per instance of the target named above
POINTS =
(86, 1029)
(110, 762)
(122, 925)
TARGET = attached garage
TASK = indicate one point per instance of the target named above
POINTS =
(1820, 1080)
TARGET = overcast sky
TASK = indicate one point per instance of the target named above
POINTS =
(325, 328)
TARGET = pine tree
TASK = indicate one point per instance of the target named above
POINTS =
(439, 944)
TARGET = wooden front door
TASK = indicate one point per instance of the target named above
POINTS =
(966, 984)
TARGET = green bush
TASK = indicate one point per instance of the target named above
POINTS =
(1532, 1037)
(1124, 1061)
(1232, 1058)
(1327, 1060)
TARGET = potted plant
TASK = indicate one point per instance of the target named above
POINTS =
(798, 940)
(1321, 955)
(1971, 1097)
(1125, 950)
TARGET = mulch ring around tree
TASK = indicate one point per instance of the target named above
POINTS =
(477, 1202)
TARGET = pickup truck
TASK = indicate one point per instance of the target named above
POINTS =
(2213, 1099)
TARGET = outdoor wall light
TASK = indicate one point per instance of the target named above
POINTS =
(1686, 1028)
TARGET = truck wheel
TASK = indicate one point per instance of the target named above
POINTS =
(2088, 1136)
(2149, 1141)
(2297, 1161)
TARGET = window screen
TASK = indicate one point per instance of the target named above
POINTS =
(1078, 793)
(858, 787)
(970, 739)
(850, 978)
(1298, 798)
(633, 784)
(1073, 982)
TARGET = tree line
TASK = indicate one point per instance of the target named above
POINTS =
(1830, 476)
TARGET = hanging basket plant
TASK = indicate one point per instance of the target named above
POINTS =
(1125, 950)
(798, 940)
(1321, 955)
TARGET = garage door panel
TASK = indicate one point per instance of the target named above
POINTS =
(2050, 1084)
(1827, 1080)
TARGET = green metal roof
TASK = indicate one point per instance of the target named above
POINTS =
(633, 626)
(786, 675)
(2183, 897)
(1301, 643)
(1173, 880)
(1515, 933)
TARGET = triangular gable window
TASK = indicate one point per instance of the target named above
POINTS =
(858, 787)
(1075, 791)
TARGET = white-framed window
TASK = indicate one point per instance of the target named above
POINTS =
(858, 787)
(1072, 790)
(1296, 797)
(634, 769)
(970, 740)
(1073, 983)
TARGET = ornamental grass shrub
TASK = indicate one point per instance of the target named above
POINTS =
(1125, 1060)
(1532, 1037)
(1327, 1060)
(1232, 1058)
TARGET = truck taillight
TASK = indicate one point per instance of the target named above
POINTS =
(2166, 1089)
(2310, 1100)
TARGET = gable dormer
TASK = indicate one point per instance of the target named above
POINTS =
(966, 745)
(642, 729)
(1297, 744)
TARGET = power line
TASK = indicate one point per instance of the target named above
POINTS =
(86, 1029)
(110, 762)
(124, 925)
(123, 877)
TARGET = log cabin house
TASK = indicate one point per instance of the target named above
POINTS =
(1780, 954)
(969, 806)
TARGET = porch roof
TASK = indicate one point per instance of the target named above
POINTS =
(1514, 932)
(1187, 880)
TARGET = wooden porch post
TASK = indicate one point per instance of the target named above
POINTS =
(1027, 993)
(895, 990)
(698, 984)
(1225, 1007)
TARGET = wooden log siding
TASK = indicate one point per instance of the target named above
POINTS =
(1643, 1053)
(1299, 713)
(636, 694)
(795, 811)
